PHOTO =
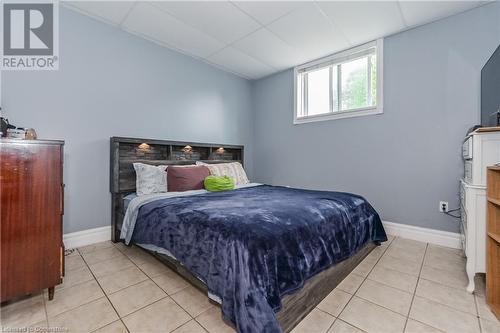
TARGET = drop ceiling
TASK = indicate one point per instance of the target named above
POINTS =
(254, 39)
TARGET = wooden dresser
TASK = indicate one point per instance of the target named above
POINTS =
(493, 243)
(31, 191)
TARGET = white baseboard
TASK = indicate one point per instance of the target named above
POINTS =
(86, 237)
(438, 237)
(433, 236)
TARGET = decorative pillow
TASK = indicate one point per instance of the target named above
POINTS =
(234, 170)
(150, 178)
(219, 183)
(186, 178)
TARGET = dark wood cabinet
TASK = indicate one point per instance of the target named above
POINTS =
(493, 240)
(31, 191)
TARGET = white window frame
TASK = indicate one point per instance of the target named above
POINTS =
(338, 58)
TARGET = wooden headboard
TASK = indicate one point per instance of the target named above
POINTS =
(126, 151)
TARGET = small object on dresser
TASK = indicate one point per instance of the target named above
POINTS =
(30, 134)
(16, 133)
(4, 126)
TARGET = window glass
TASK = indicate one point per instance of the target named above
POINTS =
(373, 92)
(332, 87)
(318, 95)
(354, 78)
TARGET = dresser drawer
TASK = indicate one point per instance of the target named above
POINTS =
(467, 149)
(468, 171)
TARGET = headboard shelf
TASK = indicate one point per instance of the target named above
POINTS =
(124, 152)
(173, 162)
(169, 142)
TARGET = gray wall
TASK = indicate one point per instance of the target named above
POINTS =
(406, 160)
(112, 83)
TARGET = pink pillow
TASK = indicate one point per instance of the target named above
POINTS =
(180, 179)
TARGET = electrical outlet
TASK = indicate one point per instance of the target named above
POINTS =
(443, 206)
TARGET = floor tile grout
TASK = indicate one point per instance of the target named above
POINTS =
(68, 287)
(392, 244)
(98, 262)
(196, 320)
(444, 305)
(477, 311)
(119, 319)
(334, 317)
(76, 307)
(192, 318)
(442, 269)
(447, 306)
(203, 327)
(451, 307)
(328, 313)
(143, 307)
(338, 319)
(45, 310)
(423, 323)
(416, 287)
(112, 305)
(132, 285)
(413, 294)
(364, 279)
(426, 279)
(387, 285)
(82, 304)
(442, 284)
(382, 306)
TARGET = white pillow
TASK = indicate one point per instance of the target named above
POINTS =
(150, 178)
(234, 170)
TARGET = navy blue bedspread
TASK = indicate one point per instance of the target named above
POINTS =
(253, 245)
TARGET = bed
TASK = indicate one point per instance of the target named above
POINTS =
(267, 254)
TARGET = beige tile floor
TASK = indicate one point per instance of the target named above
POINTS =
(402, 286)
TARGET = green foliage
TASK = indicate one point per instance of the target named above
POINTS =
(354, 92)
(374, 80)
(355, 88)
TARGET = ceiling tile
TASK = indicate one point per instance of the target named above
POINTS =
(220, 19)
(240, 63)
(421, 12)
(267, 11)
(269, 49)
(311, 31)
(364, 21)
(111, 11)
(295, 32)
(147, 20)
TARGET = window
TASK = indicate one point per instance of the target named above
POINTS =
(346, 84)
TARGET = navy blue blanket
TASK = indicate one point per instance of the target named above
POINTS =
(253, 245)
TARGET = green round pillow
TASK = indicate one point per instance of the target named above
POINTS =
(219, 183)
